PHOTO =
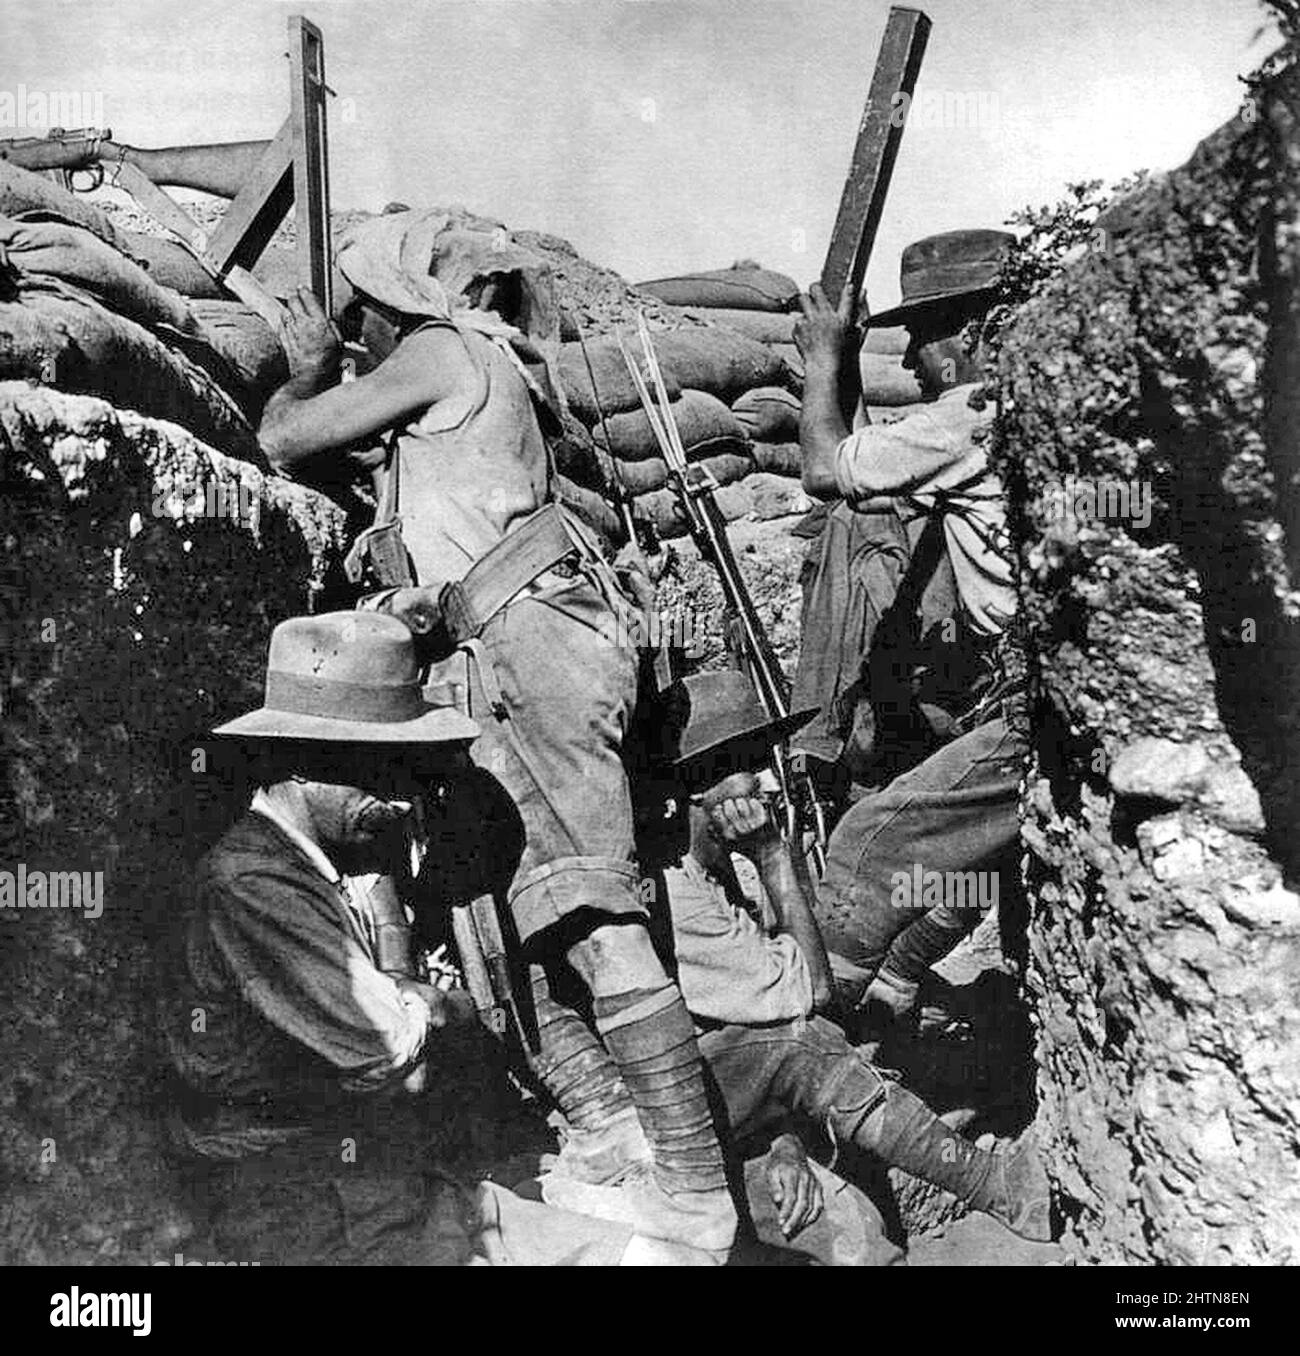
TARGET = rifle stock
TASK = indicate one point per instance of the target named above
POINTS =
(221, 169)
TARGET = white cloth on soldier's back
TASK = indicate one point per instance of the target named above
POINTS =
(728, 968)
(918, 458)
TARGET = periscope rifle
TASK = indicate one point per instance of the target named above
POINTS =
(221, 169)
(263, 179)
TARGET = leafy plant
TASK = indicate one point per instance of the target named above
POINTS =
(1053, 237)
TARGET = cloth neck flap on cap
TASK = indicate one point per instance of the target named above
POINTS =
(422, 263)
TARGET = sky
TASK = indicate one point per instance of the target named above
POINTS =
(664, 136)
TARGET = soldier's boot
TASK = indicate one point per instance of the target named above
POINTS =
(601, 1133)
(683, 1195)
(897, 1127)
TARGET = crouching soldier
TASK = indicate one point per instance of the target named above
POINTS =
(296, 1061)
(754, 987)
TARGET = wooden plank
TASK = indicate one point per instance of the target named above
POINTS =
(879, 136)
(167, 211)
(163, 208)
(253, 217)
(310, 158)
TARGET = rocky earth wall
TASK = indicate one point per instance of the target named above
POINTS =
(1161, 813)
(143, 573)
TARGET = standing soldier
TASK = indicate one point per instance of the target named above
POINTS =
(942, 675)
(519, 585)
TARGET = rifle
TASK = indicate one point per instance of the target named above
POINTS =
(220, 169)
(485, 965)
(663, 663)
(748, 639)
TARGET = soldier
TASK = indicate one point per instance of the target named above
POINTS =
(943, 679)
(519, 584)
(755, 988)
(297, 1062)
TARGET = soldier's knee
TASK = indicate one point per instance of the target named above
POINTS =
(851, 1092)
(616, 958)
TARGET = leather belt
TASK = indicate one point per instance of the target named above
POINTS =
(539, 544)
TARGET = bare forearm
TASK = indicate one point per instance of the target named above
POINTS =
(821, 428)
(287, 433)
(794, 913)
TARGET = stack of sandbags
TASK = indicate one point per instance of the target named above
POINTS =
(765, 306)
(82, 308)
(91, 302)
(754, 304)
(704, 369)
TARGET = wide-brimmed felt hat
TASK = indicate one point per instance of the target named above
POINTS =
(711, 720)
(347, 678)
(940, 268)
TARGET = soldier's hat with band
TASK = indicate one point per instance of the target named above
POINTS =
(347, 678)
(943, 268)
(714, 724)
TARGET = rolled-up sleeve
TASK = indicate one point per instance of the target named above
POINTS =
(896, 458)
(931, 447)
(304, 973)
(728, 968)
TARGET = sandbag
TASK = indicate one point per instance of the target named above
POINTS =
(768, 414)
(596, 512)
(652, 474)
(706, 426)
(23, 191)
(764, 327)
(45, 244)
(720, 361)
(790, 355)
(663, 508)
(248, 346)
(748, 289)
(782, 459)
(704, 358)
(57, 336)
(613, 384)
(578, 458)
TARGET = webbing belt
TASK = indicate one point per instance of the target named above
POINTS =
(540, 543)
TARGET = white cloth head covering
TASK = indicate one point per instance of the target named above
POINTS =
(423, 262)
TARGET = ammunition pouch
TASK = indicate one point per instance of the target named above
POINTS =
(378, 558)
